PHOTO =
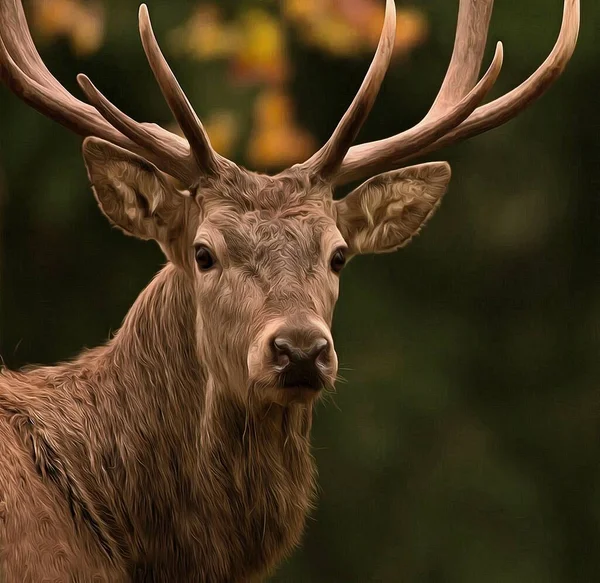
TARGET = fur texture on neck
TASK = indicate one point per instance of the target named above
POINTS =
(166, 474)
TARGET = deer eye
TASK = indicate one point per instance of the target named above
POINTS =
(338, 260)
(204, 258)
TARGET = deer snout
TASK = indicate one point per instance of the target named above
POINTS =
(302, 356)
(287, 353)
(294, 357)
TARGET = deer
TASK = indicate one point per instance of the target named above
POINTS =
(180, 450)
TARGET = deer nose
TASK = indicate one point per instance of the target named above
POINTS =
(288, 351)
(297, 354)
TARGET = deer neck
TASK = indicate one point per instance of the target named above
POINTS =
(142, 415)
(154, 364)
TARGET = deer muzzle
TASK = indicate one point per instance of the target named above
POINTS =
(294, 357)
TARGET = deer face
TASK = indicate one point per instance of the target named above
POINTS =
(267, 288)
(260, 249)
(264, 256)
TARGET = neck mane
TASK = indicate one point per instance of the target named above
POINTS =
(153, 458)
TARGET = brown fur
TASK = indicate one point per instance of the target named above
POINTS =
(178, 451)
(170, 453)
(107, 469)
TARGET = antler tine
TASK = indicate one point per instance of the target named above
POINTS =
(139, 133)
(391, 152)
(383, 155)
(503, 109)
(23, 70)
(68, 111)
(328, 159)
(178, 102)
(18, 42)
(467, 55)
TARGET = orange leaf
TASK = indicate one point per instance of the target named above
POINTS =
(276, 139)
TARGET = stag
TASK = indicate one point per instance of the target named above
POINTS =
(179, 450)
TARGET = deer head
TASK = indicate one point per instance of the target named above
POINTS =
(264, 253)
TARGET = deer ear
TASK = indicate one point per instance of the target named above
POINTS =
(134, 194)
(385, 212)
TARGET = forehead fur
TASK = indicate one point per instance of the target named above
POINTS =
(243, 191)
(256, 237)
(260, 218)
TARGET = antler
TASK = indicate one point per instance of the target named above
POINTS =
(454, 114)
(23, 70)
(329, 158)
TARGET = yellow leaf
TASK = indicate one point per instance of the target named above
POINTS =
(261, 55)
(305, 10)
(222, 128)
(82, 23)
(412, 29)
(53, 18)
(276, 139)
(334, 35)
(350, 27)
(272, 108)
(87, 31)
(205, 35)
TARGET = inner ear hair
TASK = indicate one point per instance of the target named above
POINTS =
(385, 212)
(133, 193)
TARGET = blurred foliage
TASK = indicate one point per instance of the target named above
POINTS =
(80, 22)
(464, 445)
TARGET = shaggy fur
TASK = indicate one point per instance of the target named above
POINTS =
(108, 474)
(171, 453)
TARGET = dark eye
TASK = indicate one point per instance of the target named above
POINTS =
(204, 258)
(338, 260)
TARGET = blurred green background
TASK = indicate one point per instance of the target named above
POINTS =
(464, 446)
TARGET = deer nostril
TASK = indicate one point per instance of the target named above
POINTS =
(287, 351)
(282, 351)
(283, 346)
(318, 347)
(301, 357)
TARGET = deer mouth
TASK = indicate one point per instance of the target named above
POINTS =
(286, 386)
(290, 362)
(301, 377)
(301, 384)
